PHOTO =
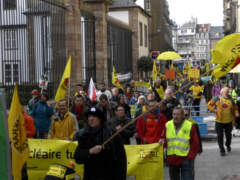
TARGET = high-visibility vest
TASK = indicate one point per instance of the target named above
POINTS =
(178, 144)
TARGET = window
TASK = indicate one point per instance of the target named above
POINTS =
(9, 4)
(147, 5)
(11, 72)
(146, 35)
(141, 33)
(10, 39)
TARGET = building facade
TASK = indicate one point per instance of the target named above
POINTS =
(185, 39)
(202, 44)
(215, 34)
(231, 9)
(134, 16)
(161, 32)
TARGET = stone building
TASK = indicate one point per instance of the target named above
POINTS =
(161, 33)
(129, 13)
(215, 34)
(231, 9)
(202, 44)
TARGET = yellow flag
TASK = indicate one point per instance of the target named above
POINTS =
(154, 71)
(62, 88)
(226, 49)
(185, 69)
(115, 80)
(207, 67)
(18, 137)
(222, 69)
(159, 69)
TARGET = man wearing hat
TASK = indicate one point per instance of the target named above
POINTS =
(34, 100)
(100, 163)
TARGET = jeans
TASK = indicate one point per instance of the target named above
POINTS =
(184, 171)
(221, 128)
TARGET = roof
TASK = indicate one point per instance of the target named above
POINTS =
(203, 27)
(216, 32)
(122, 4)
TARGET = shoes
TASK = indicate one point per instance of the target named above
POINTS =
(229, 149)
(223, 154)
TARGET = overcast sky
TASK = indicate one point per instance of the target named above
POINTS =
(207, 11)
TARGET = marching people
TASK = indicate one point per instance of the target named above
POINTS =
(42, 114)
(208, 91)
(79, 109)
(216, 88)
(197, 92)
(34, 100)
(103, 90)
(140, 107)
(181, 141)
(64, 124)
(122, 102)
(226, 111)
(170, 101)
(151, 124)
(100, 163)
(105, 107)
(118, 121)
(29, 124)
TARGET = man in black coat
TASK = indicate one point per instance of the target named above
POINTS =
(100, 163)
(119, 121)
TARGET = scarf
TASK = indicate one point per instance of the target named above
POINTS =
(78, 111)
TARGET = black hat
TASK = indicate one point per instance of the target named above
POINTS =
(97, 113)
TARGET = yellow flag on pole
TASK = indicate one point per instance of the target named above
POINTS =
(115, 80)
(18, 137)
(154, 71)
(207, 67)
(222, 69)
(226, 49)
(62, 88)
(185, 69)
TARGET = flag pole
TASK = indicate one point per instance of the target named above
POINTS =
(69, 91)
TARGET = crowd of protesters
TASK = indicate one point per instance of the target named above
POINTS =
(156, 112)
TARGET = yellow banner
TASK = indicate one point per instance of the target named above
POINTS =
(194, 73)
(144, 161)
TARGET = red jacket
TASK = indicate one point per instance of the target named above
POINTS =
(29, 125)
(194, 148)
(150, 127)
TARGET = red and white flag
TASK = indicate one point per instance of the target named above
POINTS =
(92, 93)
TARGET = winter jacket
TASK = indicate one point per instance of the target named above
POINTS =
(149, 127)
(127, 133)
(80, 114)
(109, 164)
(29, 125)
(63, 128)
(42, 116)
(216, 91)
(215, 102)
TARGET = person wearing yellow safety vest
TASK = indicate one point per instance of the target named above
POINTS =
(226, 111)
(182, 144)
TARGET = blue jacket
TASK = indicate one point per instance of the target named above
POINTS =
(42, 116)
